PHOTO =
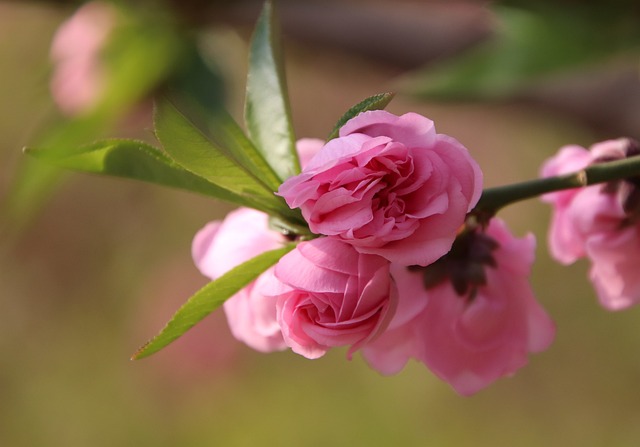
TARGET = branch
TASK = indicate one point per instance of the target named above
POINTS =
(493, 199)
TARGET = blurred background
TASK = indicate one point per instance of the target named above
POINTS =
(91, 267)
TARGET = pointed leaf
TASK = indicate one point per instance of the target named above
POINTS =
(375, 102)
(135, 160)
(223, 132)
(198, 91)
(267, 111)
(191, 149)
(227, 133)
(209, 298)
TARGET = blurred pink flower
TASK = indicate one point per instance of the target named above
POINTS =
(468, 340)
(599, 222)
(78, 77)
(242, 235)
(330, 295)
(388, 185)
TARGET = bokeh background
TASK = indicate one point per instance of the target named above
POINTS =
(90, 267)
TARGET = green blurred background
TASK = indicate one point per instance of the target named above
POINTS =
(101, 263)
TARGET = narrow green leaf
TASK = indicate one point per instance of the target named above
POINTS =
(375, 102)
(267, 111)
(227, 133)
(198, 92)
(191, 149)
(135, 160)
(209, 298)
(222, 131)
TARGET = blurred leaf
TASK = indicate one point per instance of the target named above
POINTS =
(209, 298)
(191, 149)
(267, 111)
(31, 186)
(198, 76)
(529, 47)
(375, 102)
(597, 10)
(135, 160)
(34, 182)
(140, 54)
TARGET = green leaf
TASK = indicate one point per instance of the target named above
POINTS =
(33, 182)
(267, 111)
(220, 128)
(228, 134)
(209, 298)
(140, 53)
(191, 149)
(135, 160)
(197, 89)
(375, 102)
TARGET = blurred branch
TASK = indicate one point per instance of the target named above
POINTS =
(406, 34)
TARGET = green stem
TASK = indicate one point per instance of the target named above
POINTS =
(495, 198)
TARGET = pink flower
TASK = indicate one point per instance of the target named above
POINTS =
(244, 234)
(78, 76)
(472, 339)
(599, 222)
(307, 148)
(389, 186)
(389, 352)
(330, 295)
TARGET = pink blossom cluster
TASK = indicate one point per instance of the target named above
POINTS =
(599, 222)
(395, 273)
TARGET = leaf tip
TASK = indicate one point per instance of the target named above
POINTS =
(375, 102)
(385, 99)
(140, 353)
(33, 152)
